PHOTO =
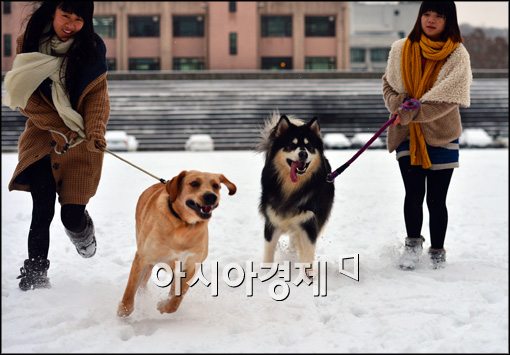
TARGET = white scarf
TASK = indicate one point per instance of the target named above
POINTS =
(29, 70)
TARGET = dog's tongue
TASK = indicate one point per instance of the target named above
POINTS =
(293, 169)
(206, 209)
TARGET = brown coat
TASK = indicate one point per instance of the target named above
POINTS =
(78, 171)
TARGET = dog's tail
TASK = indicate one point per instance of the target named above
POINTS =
(267, 131)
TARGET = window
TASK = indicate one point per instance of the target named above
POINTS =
(7, 45)
(379, 54)
(104, 26)
(144, 64)
(188, 64)
(188, 26)
(143, 26)
(276, 26)
(277, 63)
(320, 26)
(320, 63)
(233, 43)
(357, 55)
(111, 64)
(7, 7)
(232, 6)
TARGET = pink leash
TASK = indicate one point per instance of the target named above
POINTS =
(408, 105)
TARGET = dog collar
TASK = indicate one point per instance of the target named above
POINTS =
(173, 211)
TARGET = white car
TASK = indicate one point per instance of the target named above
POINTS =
(121, 141)
(199, 142)
(360, 139)
(475, 137)
(336, 141)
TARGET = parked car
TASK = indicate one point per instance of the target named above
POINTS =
(360, 139)
(475, 137)
(336, 141)
(199, 142)
(121, 141)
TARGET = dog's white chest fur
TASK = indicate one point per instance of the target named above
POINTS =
(288, 223)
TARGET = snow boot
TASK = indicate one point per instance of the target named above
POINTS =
(84, 241)
(34, 274)
(437, 258)
(412, 252)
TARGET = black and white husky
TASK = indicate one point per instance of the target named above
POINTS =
(296, 199)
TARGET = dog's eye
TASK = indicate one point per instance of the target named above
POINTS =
(215, 186)
(194, 184)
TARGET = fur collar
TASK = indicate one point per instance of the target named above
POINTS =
(452, 84)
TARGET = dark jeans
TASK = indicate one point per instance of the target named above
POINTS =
(435, 183)
(43, 191)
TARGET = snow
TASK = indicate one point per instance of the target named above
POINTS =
(475, 137)
(461, 308)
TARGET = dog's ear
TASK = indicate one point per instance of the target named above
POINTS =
(282, 126)
(230, 185)
(314, 126)
(174, 186)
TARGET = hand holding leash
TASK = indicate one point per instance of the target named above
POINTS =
(408, 105)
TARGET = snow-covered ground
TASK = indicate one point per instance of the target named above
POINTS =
(461, 308)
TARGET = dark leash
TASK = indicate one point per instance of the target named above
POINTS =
(408, 105)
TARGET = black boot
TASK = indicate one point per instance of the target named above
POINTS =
(34, 274)
(84, 241)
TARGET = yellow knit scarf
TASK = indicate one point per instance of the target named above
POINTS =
(417, 82)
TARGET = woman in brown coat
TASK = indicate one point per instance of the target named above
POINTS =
(58, 81)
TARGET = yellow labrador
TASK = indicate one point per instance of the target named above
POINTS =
(171, 225)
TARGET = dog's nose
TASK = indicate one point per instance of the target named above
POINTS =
(210, 198)
(303, 155)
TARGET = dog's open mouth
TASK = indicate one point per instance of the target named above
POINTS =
(297, 168)
(204, 212)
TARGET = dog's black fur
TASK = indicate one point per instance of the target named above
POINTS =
(299, 208)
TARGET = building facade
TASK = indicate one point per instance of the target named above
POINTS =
(210, 35)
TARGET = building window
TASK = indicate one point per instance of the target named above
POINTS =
(144, 64)
(7, 45)
(232, 6)
(7, 7)
(379, 54)
(188, 64)
(111, 64)
(320, 26)
(320, 63)
(104, 26)
(357, 55)
(276, 63)
(276, 26)
(232, 43)
(188, 26)
(143, 26)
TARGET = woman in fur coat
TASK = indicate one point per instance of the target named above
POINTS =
(58, 81)
(430, 65)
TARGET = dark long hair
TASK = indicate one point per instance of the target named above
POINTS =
(84, 50)
(445, 8)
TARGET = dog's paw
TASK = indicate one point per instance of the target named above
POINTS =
(124, 310)
(168, 306)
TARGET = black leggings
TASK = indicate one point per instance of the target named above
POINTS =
(43, 191)
(437, 183)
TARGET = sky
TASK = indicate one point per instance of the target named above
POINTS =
(462, 308)
(483, 14)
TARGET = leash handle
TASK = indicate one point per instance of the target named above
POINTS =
(331, 176)
(161, 180)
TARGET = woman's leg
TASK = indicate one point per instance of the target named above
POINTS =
(414, 183)
(438, 182)
(43, 191)
(79, 228)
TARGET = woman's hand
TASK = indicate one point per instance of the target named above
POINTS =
(96, 143)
